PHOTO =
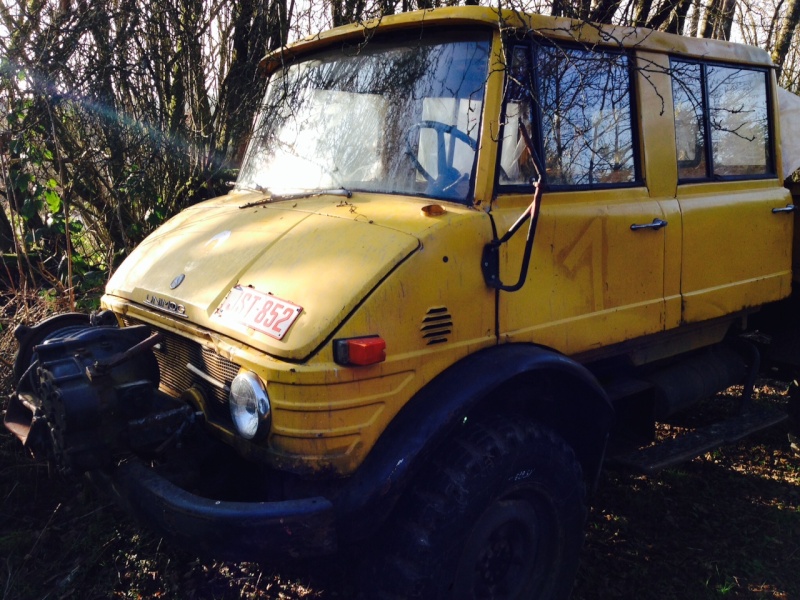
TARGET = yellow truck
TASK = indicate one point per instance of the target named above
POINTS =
(469, 253)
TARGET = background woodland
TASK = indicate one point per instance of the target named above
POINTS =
(116, 115)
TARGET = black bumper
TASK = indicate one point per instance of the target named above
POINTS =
(252, 531)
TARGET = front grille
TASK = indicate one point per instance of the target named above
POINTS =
(175, 352)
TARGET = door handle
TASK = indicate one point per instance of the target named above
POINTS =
(656, 224)
(787, 209)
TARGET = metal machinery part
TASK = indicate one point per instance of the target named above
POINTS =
(90, 394)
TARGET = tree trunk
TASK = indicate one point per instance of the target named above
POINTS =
(725, 23)
(786, 34)
(642, 10)
(559, 8)
(604, 11)
(6, 233)
(694, 22)
(709, 19)
(678, 21)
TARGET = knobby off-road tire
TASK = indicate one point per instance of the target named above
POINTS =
(498, 514)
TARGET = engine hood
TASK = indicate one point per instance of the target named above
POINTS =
(320, 256)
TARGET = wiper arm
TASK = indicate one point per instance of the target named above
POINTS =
(254, 188)
(307, 194)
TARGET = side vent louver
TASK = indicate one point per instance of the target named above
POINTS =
(436, 326)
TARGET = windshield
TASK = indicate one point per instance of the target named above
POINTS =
(400, 117)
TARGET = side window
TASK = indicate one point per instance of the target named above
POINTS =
(721, 121)
(737, 108)
(690, 136)
(586, 117)
(516, 164)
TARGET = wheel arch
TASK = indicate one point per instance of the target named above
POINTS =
(564, 397)
(517, 378)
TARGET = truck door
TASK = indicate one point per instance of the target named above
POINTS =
(737, 229)
(596, 274)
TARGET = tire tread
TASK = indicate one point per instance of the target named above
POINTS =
(423, 535)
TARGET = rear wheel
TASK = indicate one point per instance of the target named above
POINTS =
(498, 514)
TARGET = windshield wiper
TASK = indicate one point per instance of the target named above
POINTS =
(254, 188)
(296, 196)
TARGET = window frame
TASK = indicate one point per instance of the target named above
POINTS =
(770, 162)
(533, 47)
(476, 34)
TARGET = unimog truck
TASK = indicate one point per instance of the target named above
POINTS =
(472, 256)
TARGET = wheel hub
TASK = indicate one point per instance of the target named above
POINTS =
(499, 560)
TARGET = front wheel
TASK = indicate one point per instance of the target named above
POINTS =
(498, 514)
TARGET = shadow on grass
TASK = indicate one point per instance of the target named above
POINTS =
(62, 538)
(725, 525)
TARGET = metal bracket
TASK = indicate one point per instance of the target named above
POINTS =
(490, 261)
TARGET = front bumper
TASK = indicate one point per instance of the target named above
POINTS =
(88, 399)
(228, 530)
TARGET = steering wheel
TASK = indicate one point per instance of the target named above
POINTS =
(448, 175)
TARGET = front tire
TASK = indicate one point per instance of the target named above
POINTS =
(498, 514)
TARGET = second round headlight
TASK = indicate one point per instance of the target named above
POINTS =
(249, 404)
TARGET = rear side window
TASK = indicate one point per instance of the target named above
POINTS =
(722, 127)
(576, 105)
(585, 99)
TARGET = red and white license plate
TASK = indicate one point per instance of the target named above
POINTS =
(263, 312)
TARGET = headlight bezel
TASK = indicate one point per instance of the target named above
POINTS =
(249, 406)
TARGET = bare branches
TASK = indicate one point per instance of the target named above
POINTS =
(115, 116)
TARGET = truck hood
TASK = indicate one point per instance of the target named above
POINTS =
(322, 258)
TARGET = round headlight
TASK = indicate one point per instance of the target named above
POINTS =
(249, 404)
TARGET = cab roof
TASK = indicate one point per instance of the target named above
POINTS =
(555, 28)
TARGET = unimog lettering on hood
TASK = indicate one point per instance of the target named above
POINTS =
(165, 305)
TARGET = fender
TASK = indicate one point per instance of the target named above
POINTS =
(584, 419)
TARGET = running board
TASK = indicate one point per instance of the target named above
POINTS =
(652, 459)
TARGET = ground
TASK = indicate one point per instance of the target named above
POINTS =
(726, 524)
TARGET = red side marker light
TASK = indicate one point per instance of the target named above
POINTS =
(359, 351)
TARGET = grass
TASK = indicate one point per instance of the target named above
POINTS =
(723, 525)
(726, 525)
(717, 527)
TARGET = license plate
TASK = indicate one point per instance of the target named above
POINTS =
(263, 312)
